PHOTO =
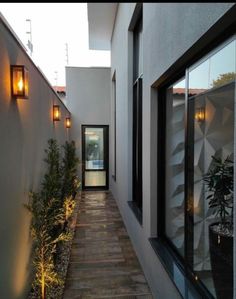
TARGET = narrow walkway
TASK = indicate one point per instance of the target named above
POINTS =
(103, 263)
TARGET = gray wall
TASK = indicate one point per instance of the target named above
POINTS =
(169, 30)
(25, 127)
(88, 94)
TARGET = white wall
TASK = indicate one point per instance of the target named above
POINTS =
(88, 94)
(169, 30)
(25, 127)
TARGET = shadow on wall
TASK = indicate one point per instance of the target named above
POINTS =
(25, 127)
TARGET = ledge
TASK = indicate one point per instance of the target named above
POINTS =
(183, 279)
(137, 212)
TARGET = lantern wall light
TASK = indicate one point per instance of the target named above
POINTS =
(19, 82)
(56, 113)
(68, 122)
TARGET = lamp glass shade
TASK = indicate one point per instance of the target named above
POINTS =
(68, 122)
(56, 113)
(19, 81)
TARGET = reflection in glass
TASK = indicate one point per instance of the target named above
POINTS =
(94, 148)
(175, 152)
(211, 98)
(215, 71)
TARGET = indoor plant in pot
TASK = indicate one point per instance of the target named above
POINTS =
(219, 183)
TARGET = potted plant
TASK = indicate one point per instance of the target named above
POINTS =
(219, 183)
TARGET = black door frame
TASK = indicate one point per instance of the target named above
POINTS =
(106, 156)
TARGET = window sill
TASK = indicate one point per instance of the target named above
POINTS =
(137, 212)
(183, 279)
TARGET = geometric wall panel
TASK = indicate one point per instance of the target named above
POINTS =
(212, 137)
(175, 155)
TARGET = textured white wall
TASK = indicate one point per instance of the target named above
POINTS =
(25, 127)
(88, 92)
(169, 30)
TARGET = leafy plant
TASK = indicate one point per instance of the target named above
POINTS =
(51, 211)
(44, 245)
(219, 182)
(70, 161)
(52, 181)
(224, 79)
(92, 150)
(68, 207)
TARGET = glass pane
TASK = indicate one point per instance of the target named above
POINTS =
(94, 148)
(138, 49)
(175, 151)
(95, 178)
(212, 106)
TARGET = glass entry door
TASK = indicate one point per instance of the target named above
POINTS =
(94, 157)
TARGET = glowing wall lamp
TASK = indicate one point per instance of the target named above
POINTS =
(56, 113)
(68, 122)
(19, 82)
(200, 114)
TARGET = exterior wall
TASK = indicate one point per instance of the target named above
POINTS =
(25, 127)
(169, 30)
(88, 93)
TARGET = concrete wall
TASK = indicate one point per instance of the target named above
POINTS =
(25, 127)
(169, 30)
(88, 93)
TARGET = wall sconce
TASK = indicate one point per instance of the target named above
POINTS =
(19, 82)
(200, 114)
(68, 122)
(56, 113)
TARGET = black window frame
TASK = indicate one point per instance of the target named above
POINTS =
(218, 34)
(106, 157)
(114, 125)
(136, 203)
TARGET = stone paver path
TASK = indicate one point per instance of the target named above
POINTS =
(103, 263)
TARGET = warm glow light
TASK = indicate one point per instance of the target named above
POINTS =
(56, 113)
(20, 84)
(68, 122)
(200, 114)
(19, 81)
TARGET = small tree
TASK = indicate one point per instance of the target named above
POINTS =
(51, 185)
(44, 245)
(70, 161)
(224, 79)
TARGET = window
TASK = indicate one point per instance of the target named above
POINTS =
(137, 117)
(175, 153)
(198, 129)
(114, 125)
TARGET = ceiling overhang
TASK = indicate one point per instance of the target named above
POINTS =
(101, 18)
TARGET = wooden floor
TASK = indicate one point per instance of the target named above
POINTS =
(103, 263)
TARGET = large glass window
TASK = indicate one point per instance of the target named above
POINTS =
(114, 126)
(199, 163)
(211, 102)
(94, 156)
(175, 153)
(137, 114)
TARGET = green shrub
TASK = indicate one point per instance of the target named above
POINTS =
(51, 210)
(70, 162)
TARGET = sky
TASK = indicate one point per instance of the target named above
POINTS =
(52, 26)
